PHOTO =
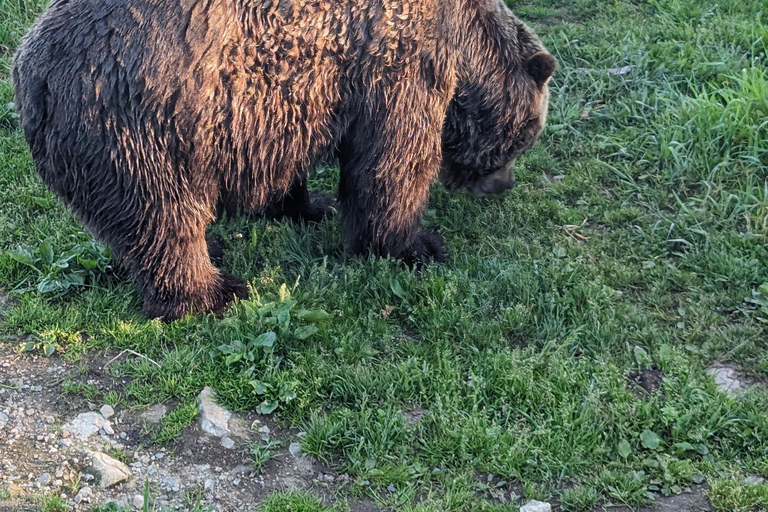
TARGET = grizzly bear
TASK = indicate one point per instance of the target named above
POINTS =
(147, 117)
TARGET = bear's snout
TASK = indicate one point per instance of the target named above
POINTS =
(495, 183)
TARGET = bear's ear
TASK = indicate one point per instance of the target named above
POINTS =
(541, 66)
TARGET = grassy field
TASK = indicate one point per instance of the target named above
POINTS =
(628, 250)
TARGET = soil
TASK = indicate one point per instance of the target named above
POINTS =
(38, 457)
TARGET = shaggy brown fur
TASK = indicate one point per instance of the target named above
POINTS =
(144, 116)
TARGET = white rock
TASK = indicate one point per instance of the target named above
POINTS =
(295, 449)
(227, 442)
(86, 424)
(3, 420)
(214, 419)
(138, 502)
(154, 414)
(536, 506)
(107, 411)
(111, 471)
(727, 379)
(754, 480)
(84, 495)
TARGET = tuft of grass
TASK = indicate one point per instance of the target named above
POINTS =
(174, 422)
(261, 452)
(54, 503)
(737, 495)
(293, 501)
(75, 387)
(579, 499)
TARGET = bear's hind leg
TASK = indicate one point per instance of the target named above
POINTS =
(172, 260)
(303, 205)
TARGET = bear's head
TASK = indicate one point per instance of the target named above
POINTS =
(500, 104)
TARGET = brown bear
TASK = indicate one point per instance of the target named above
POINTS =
(147, 116)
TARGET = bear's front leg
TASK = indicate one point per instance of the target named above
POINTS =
(387, 166)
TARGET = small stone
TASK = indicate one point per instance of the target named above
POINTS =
(171, 484)
(16, 383)
(123, 435)
(154, 414)
(37, 389)
(111, 471)
(754, 480)
(295, 449)
(727, 379)
(138, 502)
(107, 411)
(264, 430)
(227, 442)
(536, 506)
(86, 424)
(83, 495)
(391, 488)
(3, 420)
(208, 485)
(214, 419)
(44, 479)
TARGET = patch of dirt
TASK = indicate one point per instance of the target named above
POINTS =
(694, 501)
(39, 457)
(647, 383)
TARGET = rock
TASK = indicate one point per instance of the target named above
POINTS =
(208, 485)
(138, 502)
(294, 449)
(107, 411)
(83, 495)
(3, 420)
(727, 379)
(154, 414)
(110, 471)
(85, 425)
(291, 483)
(391, 488)
(171, 484)
(227, 442)
(264, 430)
(44, 479)
(536, 506)
(16, 383)
(214, 419)
(754, 480)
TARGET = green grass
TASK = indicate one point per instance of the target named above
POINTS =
(296, 502)
(634, 237)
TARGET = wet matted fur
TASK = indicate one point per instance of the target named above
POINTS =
(147, 116)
